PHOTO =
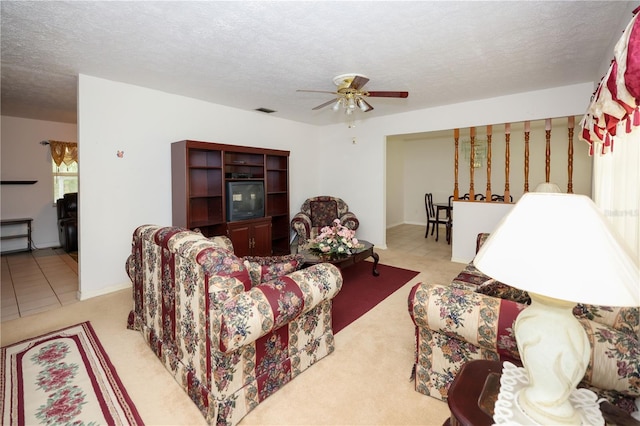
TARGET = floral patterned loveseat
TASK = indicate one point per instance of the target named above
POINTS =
(232, 331)
(473, 317)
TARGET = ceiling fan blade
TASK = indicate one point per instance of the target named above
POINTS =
(324, 104)
(368, 105)
(358, 82)
(388, 94)
(317, 91)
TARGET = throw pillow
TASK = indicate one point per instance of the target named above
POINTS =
(222, 241)
(502, 291)
(265, 269)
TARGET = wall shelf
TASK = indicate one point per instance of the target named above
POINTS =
(17, 182)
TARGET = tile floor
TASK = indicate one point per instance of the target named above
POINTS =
(410, 239)
(38, 281)
(48, 278)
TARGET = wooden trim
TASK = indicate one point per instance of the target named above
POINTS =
(570, 162)
(488, 193)
(507, 155)
(526, 157)
(456, 137)
(547, 156)
(472, 160)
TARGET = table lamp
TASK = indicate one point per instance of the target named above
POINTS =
(562, 250)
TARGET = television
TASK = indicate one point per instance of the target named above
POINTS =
(245, 200)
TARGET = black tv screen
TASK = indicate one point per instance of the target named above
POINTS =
(245, 200)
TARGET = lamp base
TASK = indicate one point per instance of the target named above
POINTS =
(508, 410)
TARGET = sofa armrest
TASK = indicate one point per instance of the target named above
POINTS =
(475, 318)
(624, 319)
(350, 221)
(269, 306)
(301, 224)
(615, 359)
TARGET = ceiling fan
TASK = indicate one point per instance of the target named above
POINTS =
(350, 95)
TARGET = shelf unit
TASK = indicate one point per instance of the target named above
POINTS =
(200, 171)
(26, 235)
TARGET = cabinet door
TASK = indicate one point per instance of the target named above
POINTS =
(262, 238)
(240, 235)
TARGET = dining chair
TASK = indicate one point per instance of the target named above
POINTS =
(498, 197)
(433, 219)
(477, 197)
(450, 219)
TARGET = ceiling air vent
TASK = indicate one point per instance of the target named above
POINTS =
(265, 110)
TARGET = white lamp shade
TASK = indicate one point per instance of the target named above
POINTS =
(561, 246)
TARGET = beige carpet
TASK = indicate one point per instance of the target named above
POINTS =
(364, 382)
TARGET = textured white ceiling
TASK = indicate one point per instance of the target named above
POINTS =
(247, 54)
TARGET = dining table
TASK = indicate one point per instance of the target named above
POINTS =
(448, 209)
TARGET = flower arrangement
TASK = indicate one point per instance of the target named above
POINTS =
(335, 240)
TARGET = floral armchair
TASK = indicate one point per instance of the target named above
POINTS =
(473, 319)
(231, 330)
(318, 212)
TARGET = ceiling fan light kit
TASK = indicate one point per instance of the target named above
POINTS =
(351, 96)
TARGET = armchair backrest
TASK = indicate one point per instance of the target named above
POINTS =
(323, 210)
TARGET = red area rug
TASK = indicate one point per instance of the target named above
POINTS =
(361, 291)
(62, 377)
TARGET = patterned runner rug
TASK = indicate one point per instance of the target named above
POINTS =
(63, 377)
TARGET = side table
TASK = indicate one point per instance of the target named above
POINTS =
(466, 389)
(474, 391)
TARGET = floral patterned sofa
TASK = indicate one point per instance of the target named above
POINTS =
(232, 331)
(473, 317)
(318, 212)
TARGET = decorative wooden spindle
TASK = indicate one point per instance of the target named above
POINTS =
(456, 137)
(547, 152)
(507, 154)
(472, 159)
(527, 129)
(488, 194)
(570, 125)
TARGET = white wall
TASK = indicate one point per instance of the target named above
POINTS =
(428, 162)
(23, 158)
(396, 169)
(362, 179)
(471, 219)
(119, 194)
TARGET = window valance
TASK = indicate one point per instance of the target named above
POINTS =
(64, 152)
(615, 104)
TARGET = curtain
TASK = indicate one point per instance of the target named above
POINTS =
(614, 116)
(616, 100)
(616, 188)
(64, 152)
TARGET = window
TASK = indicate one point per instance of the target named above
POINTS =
(65, 179)
(64, 163)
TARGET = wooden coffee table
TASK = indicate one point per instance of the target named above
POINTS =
(311, 258)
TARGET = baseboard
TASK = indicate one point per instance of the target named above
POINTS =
(111, 289)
